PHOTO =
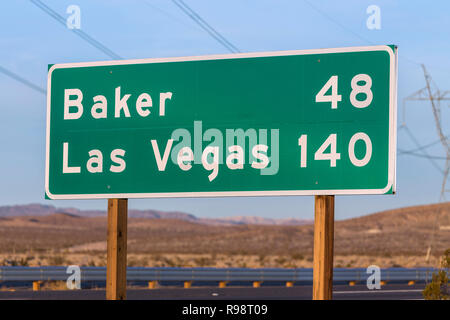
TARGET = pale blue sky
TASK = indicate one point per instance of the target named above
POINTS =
(30, 39)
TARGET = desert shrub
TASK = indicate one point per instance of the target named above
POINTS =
(280, 261)
(15, 262)
(262, 258)
(167, 262)
(132, 262)
(203, 262)
(24, 261)
(297, 256)
(56, 260)
(54, 285)
(437, 289)
(289, 265)
(143, 262)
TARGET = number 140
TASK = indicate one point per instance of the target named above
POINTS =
(333, 155)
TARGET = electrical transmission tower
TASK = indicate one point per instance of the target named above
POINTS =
(432, 93)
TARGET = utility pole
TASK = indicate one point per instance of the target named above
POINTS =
(432, 93)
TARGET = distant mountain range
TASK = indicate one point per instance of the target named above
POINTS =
(393, 235)
(36, 209)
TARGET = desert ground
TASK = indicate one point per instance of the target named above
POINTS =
(394, 238)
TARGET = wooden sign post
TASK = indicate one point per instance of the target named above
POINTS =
(323, 248)
(116, 265)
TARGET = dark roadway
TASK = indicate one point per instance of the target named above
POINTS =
(340, 292)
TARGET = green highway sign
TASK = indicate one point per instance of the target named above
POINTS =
(305, 122)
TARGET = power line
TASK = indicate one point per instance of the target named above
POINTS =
(322, 13)
(411, 153)
(418, 146)
(167, 14)
(205, 26)
(22, 80)
(426, 146)
(78, 32)
(336, 22)
(432, 93)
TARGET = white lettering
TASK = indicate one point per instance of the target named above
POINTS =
(143, 101)
(264, 160)
(99, 109)
(96, 158)
(66, 168)
(119, 161)
(235, 159)
(121, 103)
(73, 103)
(163, 96)
(185, 155)
(214, 165)
(161, 163)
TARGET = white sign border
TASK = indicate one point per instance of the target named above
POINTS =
(392, 127)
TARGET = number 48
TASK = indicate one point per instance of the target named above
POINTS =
(334, 97)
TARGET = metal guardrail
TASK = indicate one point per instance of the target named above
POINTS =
(211, 274)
